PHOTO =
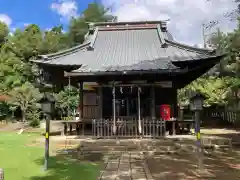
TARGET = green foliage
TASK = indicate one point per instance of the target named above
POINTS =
(4, 30)
(33, 116)
(224, 88)
(79, 26)
(27, 43)
(54, 40)
(4, 110)
(26, 97)
(67, 100)
(18, 74)
(13, 71)
(215, 90)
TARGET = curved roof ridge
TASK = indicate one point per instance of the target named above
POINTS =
(191, 48)
(59, 53)
(128, 22)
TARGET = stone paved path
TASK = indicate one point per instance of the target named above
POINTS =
(126, 166)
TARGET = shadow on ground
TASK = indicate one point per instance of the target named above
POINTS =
(65, 167)
(165, 160)
(184, 166)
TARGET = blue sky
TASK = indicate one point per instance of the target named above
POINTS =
(186, 16)
(45, 13)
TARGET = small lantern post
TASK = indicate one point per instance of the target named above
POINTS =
(196, 105)
(1, 174)
(47, 105)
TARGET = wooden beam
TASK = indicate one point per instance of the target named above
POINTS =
(136, 85)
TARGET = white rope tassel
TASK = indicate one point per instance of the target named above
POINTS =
(121, 90)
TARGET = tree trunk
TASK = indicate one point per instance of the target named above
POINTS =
(23, 115)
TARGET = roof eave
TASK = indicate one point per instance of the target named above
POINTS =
(188, 47)
(44, 63)
(132, 72)
(62, 52)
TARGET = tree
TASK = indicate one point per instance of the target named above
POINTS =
(13, 71)
(25, 44)
(67, 100)
(233, 14)
(78, 28)
(215, 90)
(26, 97)
(54, 40)
(4, 30)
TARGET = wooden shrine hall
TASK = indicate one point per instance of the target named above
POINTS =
(128, 74)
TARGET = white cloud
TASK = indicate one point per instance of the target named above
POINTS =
(6, 19)
(26, 24)
(65, 8)
(186, 16)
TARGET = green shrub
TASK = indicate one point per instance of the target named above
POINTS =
(33, 116)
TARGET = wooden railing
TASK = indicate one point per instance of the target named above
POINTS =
(222, 116)
(104, 128)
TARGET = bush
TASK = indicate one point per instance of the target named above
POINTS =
(33, 117)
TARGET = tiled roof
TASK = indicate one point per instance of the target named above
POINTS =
(123, 47)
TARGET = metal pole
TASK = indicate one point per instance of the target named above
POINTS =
(139, 111)
(203, 34)
(1, 174)
(114, 109)
(47, 141)
(198, 140)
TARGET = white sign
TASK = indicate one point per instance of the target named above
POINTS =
(89, 86)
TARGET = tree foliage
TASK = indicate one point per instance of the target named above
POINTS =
(26, 97)
(215, 90)
(79, 26)
(18, 74)
(4, 30)
(222, 85)
(67, 100)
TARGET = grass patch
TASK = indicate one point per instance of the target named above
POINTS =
(23, 162)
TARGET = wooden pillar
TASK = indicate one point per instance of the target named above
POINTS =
(100, 103)
(181, 113)
(153, 106)
(69, 89)
(81, 106)
(175, 100)
(114, 109)
(139, 111)
(81, 100)
(175, 109)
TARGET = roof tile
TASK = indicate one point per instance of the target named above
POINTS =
(135, 48)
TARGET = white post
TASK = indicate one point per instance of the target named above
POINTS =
(139, 112)
(114, 109)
